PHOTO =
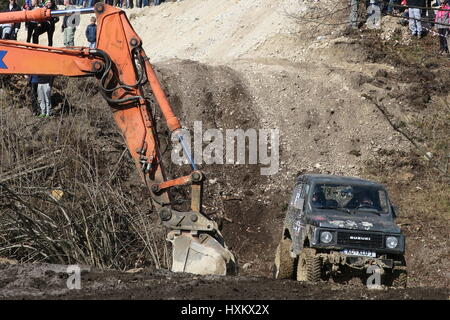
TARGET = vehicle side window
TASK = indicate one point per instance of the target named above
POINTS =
(305, 191)
(384, 202)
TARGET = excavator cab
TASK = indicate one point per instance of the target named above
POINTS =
(128, 83)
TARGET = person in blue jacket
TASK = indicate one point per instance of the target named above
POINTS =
(91, 33)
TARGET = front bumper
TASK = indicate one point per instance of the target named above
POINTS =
(378, 247)
(356, 262)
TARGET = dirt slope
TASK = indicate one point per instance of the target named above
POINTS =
(250, 64)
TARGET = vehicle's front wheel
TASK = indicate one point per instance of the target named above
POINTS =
(284, 263)
(399, 276)
(400, 279)
(309, 266)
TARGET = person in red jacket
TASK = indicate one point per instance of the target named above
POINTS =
(442, 22)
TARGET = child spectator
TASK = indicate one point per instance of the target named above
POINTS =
(405, 14)
(33, 81)
(44, 94)
(91, 34)
(442, 22)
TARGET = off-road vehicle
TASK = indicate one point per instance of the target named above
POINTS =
(338, 225)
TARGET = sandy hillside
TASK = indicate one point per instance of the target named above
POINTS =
(201, 30)
(298, 79)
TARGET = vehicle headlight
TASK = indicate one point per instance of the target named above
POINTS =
(326, 237)
(391, 242)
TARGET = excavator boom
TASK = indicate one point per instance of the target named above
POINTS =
(123, 71)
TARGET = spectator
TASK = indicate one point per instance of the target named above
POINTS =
(33, 83)
(91, 33)
(391, 9)
(156, 2)
(68, 27)
(415, 16)
(31, 26)
(44, 95)
(46, 26)
(51, 26)
(9, 31)
(405, 14)
(430, 13)
(142, 3)
(442, 21)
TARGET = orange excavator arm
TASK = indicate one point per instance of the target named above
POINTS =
(124, 72)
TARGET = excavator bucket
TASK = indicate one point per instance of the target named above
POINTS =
(201, 255)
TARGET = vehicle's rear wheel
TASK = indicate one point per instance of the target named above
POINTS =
(309, 266)
(284, 263)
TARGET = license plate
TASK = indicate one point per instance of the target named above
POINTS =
(361, 253)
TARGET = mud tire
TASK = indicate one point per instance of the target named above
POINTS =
(284, 263)
(309, 267)
(399, 277)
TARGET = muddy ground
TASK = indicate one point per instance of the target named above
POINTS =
(44, 281)
(325, 90)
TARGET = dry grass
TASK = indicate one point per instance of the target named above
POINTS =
(68, 190)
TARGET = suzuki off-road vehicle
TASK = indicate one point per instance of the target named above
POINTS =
(338, 225)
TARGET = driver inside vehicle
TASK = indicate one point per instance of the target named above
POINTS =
(318, 198)
(365, 200)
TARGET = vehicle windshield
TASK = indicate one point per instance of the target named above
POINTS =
(349, 198)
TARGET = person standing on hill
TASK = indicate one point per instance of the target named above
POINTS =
(442, 22)
(33, 82)
(142, 3)
(68, 27)
(415, 16)
(44, 95)
(91, 34)
(31, 25)
(46, 26)
(10, 30)
(51, 4)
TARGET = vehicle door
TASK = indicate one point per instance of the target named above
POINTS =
(297, 214)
